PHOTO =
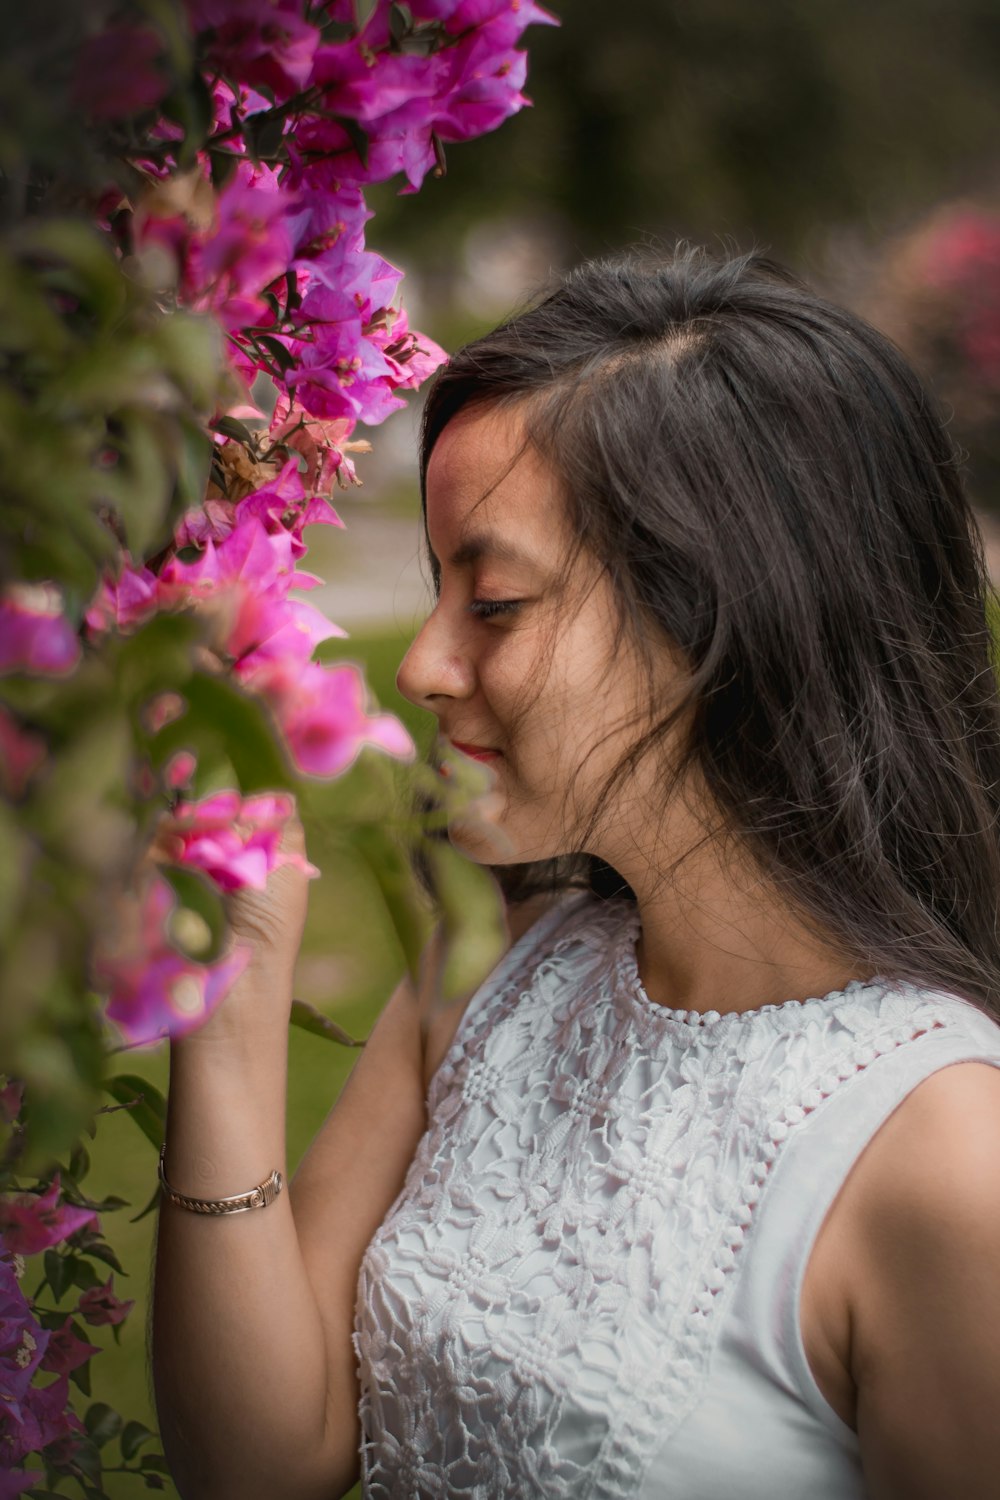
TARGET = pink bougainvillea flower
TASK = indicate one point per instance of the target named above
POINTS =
(323, 715)
(250, 246)
(262, 42)
(323, 445)
(116, 73)
(403, 101)
(30, 1223)
(244, 582)
(66, 1351)
(210, 523)
(179, 770)
(153, 990)
(249, 553)
(30, 1416)
(14, 1482)
(504, 19)
(35, 635)
(413, 355)
(21, 753)
(99, 1305)
(326, 211)
(275, 510)
(124, 601)
(23, 1341)
(282, 507)
(234, 839)
(43, 1416)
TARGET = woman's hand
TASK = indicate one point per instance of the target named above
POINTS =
(270, 922)
(273, 920)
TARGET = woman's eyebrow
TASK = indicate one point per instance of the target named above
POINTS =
(474, 548)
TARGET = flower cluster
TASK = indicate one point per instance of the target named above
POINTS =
(35, 1416)
(239, 207)
(306, 113)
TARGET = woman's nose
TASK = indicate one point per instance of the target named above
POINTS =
(436, 665)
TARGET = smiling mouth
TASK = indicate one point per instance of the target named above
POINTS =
(476, 752)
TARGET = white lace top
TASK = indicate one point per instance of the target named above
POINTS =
(589, 1284)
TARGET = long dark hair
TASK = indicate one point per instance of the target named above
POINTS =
(767, 481)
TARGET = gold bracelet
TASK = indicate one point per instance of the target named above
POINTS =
(259, 1197)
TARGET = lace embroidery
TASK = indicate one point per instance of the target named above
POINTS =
(536, 1314)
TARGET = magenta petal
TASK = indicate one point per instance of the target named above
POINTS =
(34, 634)
(65, 1351)
(30, 1223)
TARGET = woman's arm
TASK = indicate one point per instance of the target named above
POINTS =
(926, 1308)
(253, 1368)
(253, 1363)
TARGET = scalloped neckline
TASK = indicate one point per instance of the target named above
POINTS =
(626, 968)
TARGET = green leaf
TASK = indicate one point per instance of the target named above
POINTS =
(83, 1274)
(86, 1456)
(134, 1434)
(58, 1272)
(148, 1106)
(245, 728)
(264, 132)
(307, 1018)
(358, 137)
(397, 882)
(104, 1253)
(79, 1162)
(283, 358)
(157, 657)
(81, 1377)
(153, 1203)
(232, 427)
(363, 12)
(196, 894)
(400, 21)
(154, 1461)
(102, 1422)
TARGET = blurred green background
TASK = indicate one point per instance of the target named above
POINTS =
(827, 133)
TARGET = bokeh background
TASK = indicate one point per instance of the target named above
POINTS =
(858, 142)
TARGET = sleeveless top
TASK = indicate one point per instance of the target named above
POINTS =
(589, 1283)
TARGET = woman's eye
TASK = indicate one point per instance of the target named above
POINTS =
(485, 609)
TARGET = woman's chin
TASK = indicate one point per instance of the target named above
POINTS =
(481, 832)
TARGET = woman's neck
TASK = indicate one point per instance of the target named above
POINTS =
(716, 933)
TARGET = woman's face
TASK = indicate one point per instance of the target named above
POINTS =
(518, 659)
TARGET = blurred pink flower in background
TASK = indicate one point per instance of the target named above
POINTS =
(153, 989)
(116, 73)
(35, 635)
(263, 42)
(21, 753)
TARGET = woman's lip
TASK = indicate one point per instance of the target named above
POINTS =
(476, 752)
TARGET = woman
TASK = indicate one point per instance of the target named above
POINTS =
(698, 1195)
